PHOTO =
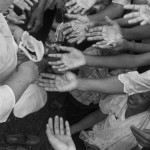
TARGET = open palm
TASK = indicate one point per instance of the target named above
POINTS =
(70, 60)
(60, 83)
(141, 15)
(59, 137)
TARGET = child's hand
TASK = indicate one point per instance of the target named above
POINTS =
(75, 30)
(142, 136)
(78, 6)
(14, 18)
(36, 20)
(59, 138)
(109, 36)
(59, 83)
(142, 14)
(70, 60)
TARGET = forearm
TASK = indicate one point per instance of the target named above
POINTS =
(113, 11)
(18, 83)
(137, 33)
(125, 61)
(41, 5)
(88, 121)
(105, 85)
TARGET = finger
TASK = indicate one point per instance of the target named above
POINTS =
(131, 15)
(96, 38)
(93, 34)
(56, 125)
(78, 10)
(96, 29)
(66, 25)
(31, 22)
(29, 2)
(81, 40)
(55, 63)
(144, 22)
(67, 128)
(73, 40)
(70, 3)
(63, 69)
(83, 11)
(136, 20)
(62, 126)
(58, 67)
(132, 7)
(50, 126)
(73, 8)
(48, 75)
(47, 81)
(109, 21)
(55, 55)
(71, 16)
(67, 31)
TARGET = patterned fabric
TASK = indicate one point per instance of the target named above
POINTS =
(114, 132)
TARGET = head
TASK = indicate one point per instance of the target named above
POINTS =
(5, 4)
(139, 102)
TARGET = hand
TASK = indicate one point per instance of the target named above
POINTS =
(76, 29)
(70, 60)
(142, 14)
(24, 4)
(59, 83)
(14, 18)
(59, 138)
(30, 70)
(78, 6)
(36, 20)
(110, 35)
(16, 31)
(142, 136)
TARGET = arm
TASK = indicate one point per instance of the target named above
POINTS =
(137, 33)
(112, 11)
(119, 61)
(88, 121)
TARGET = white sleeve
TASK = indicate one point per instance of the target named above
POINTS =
(122, 2)
(7, 102)
(135, 82)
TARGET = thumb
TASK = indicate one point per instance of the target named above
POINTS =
(71, 16)
(109, 21)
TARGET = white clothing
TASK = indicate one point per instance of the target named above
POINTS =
(122, 2)
(114, 132)
(32, 97)
(135, 82)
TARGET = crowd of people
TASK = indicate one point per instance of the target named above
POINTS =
(96, 50)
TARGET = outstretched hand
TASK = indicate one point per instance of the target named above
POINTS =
(70, 60)
(75, 30)
(58, 83)
(58, 135)
(80, 6)
(142, 14)
(142, 136)
(108, 36)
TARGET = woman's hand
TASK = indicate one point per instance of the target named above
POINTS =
(58, 136)
(70, 60)
(59, 83)
(142, 14)
(142, 136)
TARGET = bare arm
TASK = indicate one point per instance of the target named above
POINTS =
(137, 33)
(88, 121)
(119, 61)
(112, 11)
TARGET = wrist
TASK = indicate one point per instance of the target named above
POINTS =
(81, 84)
